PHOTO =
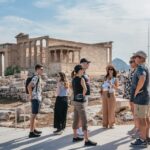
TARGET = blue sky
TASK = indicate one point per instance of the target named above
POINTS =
(123, 21)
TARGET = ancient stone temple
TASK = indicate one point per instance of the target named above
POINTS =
(55, 54)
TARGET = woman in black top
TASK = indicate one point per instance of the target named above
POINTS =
(79, 91)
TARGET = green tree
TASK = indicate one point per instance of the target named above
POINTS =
(11, 70)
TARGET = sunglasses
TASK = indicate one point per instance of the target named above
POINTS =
(131, 62)
(110, 69)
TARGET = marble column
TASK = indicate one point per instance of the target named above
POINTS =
(41, 52)
(0, 64)
(49, 57)
(35, 53)
(46, 53)
(79, 57)
(55, 56)
(24, 56)
(3, 64)
(67, 56)
(110, 55)
(61, 55)
(73, 59)
(29, 59)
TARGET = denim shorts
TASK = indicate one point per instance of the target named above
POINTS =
(35, 106)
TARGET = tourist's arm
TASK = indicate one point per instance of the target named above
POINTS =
(140, 84)
(84, 86)
(66, 84)
(115, 86)
(30, 87)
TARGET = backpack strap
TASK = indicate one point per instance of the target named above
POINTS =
(37, 84)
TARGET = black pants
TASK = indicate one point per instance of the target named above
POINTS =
(60, 112)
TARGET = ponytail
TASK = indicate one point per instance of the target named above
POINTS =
(73, 74)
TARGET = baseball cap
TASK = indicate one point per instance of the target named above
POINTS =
(77, 68)
(141, 54)
(83, 60)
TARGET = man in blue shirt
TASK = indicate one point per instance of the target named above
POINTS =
(140, 95)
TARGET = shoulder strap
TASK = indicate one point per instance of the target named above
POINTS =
(37, 84)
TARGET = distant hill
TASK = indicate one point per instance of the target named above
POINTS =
(120, 65)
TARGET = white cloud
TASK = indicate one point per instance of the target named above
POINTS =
(120, 21)
(116, 20)
(44, 3)
(12, 25)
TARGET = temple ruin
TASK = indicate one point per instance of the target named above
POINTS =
(55, 54)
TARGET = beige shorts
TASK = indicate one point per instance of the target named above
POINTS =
(142, 111)
(79, 113)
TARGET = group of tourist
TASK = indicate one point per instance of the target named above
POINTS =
(136, 91)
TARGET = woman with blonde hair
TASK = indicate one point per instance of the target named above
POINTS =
(61, 104)
(108, 88)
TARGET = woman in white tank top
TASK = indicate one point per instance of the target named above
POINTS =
(108, 88)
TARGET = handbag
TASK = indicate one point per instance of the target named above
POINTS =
(80, 98)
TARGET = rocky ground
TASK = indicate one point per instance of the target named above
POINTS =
(45, 118)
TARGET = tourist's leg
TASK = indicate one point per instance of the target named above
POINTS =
(56, 114)
(75, 120)
(136, 118)
(83, 115)
(35, 110)
(143, 128)
(32, 122)
(148, 127)
(142, 111)
(105, 109)
(111, 110)
(64, 113)
(84, 121)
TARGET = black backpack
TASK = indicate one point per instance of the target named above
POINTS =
(27, 83)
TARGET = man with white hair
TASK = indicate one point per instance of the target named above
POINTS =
(140, 94)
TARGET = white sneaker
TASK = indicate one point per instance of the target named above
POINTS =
(133, 131)
(80, 132)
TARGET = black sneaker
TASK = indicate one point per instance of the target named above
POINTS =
(77, 139)
(148, 141)
(139, 143)
(37, 132)
(33, 135)
(90, 143)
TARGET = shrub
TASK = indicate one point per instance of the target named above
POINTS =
(11, 70)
